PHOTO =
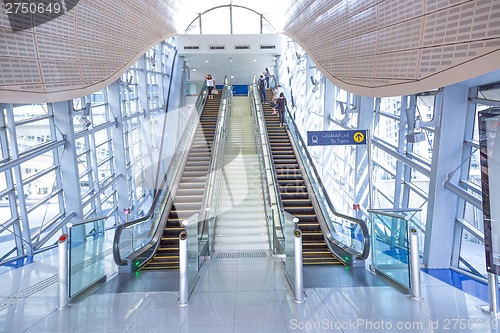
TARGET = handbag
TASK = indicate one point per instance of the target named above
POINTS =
(215, 92)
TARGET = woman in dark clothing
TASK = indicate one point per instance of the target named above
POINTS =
(280, 105)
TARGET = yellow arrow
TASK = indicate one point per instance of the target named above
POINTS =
(359, 137)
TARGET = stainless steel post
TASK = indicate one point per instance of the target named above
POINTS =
(63, 272)
(299, 278)
(492, 290)
(414, 264)
(183, 270)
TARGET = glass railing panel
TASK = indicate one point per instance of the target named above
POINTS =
(390, 246)
(216, 167)
(272, 203)
(140, 232)
(88, 248)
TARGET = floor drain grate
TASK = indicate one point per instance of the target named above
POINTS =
(241, 255)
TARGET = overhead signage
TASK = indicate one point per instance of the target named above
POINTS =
(333, 138)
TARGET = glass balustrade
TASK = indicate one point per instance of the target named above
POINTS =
(390, 244)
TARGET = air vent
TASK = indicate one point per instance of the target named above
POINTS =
(191, 47)
(267, 47)
(242, 47)
(217, 47)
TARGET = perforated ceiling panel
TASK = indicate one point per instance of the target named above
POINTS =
(369, 47)
(395, 47)
(81, 51)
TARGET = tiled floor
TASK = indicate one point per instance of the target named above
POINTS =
(244, 295)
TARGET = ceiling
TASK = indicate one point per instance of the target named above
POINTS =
(368, 47)
(238, 65)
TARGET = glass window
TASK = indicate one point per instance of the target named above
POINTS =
(216, 21)
(245, 21)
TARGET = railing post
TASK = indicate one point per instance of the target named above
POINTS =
(414, 264)
(492, 309)
(63, 272)
(299, 278)
(183, 267)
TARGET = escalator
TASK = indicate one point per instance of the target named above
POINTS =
(294, 193)
(191, 189)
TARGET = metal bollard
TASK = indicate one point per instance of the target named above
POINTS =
(183, 267)
(414, 265)
(299, 277)
(63, 272)
(492, 309)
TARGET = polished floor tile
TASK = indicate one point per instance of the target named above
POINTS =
(238, 296)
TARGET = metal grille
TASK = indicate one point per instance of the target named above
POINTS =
(144, 281)
(339, 276)
(241, 255)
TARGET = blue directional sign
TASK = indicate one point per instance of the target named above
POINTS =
(333, 138)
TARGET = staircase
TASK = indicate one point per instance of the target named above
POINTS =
(294, 194)
(241, 223)
(191, 189)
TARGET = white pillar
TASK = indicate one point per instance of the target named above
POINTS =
(451, 108)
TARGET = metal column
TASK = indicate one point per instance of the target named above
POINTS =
(492, 309)
(63, 272)
(299, 278)
(414, 264)
(183, 267)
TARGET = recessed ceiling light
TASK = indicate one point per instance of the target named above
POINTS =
(254, 60)
(194, 69)
(206, 60)
(232, 76)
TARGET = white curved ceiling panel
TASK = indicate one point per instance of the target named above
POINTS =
(395, 47)
(81, 51)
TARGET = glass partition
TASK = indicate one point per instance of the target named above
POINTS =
(272, 203)
(132, 236)
(88, 248)
(390, 246)
(489, 136)
(215, 173)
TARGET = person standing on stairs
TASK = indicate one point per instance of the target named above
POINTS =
(267, 76)
(280, 105)
(277, 92)
(210, 85)
(261, 85)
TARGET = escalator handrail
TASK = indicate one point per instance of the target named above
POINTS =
(274, 176)
(362, 224)
(151, 213)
